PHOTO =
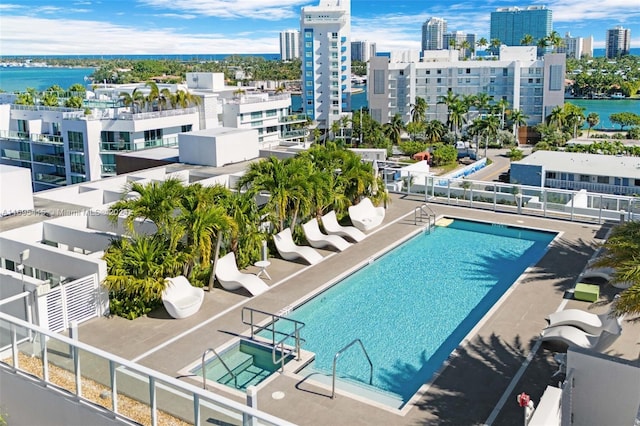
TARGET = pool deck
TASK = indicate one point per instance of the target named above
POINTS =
(481, 380)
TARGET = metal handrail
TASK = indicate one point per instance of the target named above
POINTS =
(298, 325)
(204, 368)
(335, 360)
(424, 210)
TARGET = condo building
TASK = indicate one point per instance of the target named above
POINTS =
(289, 45)
(433, 32)
(618, 42)
(511, 24)
(534, 86)
(63, 146)
(463, 42)
(362, 50)
(326, 61)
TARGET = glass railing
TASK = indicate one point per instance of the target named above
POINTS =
(14, 154)
(100, 380)
(42, 138)
(14, 135)
(293, 118)
(57, 160)
(291, 134)
(51, 179)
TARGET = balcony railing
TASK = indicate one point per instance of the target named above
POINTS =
(46, 139)
(14, 154)
(293, 134)
(51, 179)
(295, 118)
(56, 160)
(14, 135)
(592, 187)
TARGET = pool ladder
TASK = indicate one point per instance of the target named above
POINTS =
(424, 211)
(204, 368)
(335, 360)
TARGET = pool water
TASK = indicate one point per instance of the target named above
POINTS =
(250, 362)
(413, 306)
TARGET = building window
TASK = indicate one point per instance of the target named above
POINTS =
(556, 77)
(77, 163)
(468, 70)
(551, 175)
(78, 179)
(152, 138)
(76, 141)
(186, 128)
(309, 64)
(114, 141)
(439, 72)
(439, 80)
(505, 72)
(308, 54)
(308, 44)
(308, 34)
(272, 113)
(379, 82)
(308, 74)
(603, 179)
(585, 178)
(459, 71)
(256, 115)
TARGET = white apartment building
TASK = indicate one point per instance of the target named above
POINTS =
(326, 61)
(576, 47)
(529, 84)
(62, 146)
(289, 45)
(433, 32)
(457, 39)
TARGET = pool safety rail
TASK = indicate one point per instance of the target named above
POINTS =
(271, 327)
(204, 368)
(124, 379)
(424, 211)
(335, 361)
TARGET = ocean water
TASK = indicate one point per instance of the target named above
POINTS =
(14, 79)
(604, 108)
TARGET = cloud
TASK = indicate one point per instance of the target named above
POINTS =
(271, 10)
(78, 37)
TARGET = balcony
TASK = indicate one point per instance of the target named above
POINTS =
(343, 39)
(108, 169)
(343, 58)
(56, 160)
(51, 179)
(46, 139)
(343, 49)
(295, 118)
(13, 135)
(16, 155)
(294, 134)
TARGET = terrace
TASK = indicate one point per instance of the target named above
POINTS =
(498, 360)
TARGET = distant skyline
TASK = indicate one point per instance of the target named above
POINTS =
(77, 27)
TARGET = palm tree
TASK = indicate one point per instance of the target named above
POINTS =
(518, 119)
(457, 116)
(555, 40)
(501, 106)
(452, 44)
(464, 46)
(434, 131)
(449, 100)
(495, 44)
(621, 253)
(154, 94)
(134, 99)
(482, 102)
(483, 42)
(556, 118)
(527, 40)
(419, 109)
(489, 126)
(542, 44)
(592, 119)
(393, 129)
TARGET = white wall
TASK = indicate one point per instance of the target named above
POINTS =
(607, 390)
(217, 147)
(16, 190)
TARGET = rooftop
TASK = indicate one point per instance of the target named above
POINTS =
(587, 164)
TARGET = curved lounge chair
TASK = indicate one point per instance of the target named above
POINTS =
(332, 227)
(573, 336)
(590, 323)
(180, 298)
(289, 250)
(365, 216)
(317, 239)
(606, 273)
(231, 278)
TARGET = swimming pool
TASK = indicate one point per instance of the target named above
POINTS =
(413, 306)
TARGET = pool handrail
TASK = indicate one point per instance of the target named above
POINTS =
(224, 364)
(335, 360)
(298, 325)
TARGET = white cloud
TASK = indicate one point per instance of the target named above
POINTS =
(78, 37)
(271, 10)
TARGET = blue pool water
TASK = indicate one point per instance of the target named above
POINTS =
(413, 306)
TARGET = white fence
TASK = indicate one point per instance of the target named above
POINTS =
(78, 301)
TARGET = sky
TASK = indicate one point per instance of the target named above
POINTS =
(100, 27)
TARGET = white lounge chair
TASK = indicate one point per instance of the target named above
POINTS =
(232, 279)
(332, 227)
(606, 273)
(289, 250)
(317, 239)
(590, 323)
(180, 298)
(573, 336)
(365, 216)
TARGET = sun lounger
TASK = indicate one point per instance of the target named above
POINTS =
(590, 323)
(180, 298)
(365, 216)
(573, 336)
(332, 227)
(231, 278)
(319, 240)
(606, 273)
(289, 250)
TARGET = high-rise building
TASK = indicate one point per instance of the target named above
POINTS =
(289, 45)
(618, 42)
(587, 46)
(573, 46)
(433, 31)
(326, 61)
(362, 50)
(465, 43)
(511, 24)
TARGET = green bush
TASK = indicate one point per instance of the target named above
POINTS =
(444, 154)
(410, 148)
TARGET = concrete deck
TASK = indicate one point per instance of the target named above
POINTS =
(467, 392)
